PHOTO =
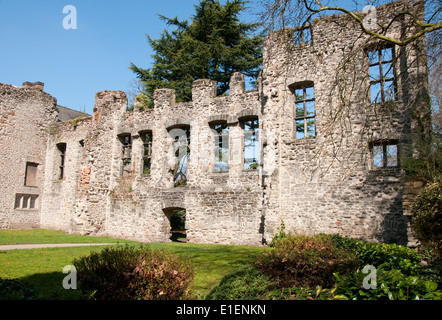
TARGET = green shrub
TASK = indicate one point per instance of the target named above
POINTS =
(427, 216)
(390, 285)
(303, 293)
(306, 261)
(389, 256)
(244, 283)
(133, 273)
(13, 289)
(162, 277)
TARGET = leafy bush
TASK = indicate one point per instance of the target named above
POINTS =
(389, 256)
(13, 289)
(134, 273)
(244, 283)
(162, 277)
(306, 261)
(427, 216)
(390, 285)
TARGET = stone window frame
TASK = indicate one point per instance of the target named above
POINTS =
(305, 117)
(255, 133)
(146, 156)
(183, 125)
(26, 202)
(299, 35)
(29, 172)
(384, 144)
(126, 142)
(378, 58)
(222, 136)
(62, 149)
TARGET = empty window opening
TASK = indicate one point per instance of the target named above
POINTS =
(302, 35)
(251, 143)
(221, 134)
(385, 155)
(176, 224)
(62, 157)
(26, 202)
(181, 150)
(147, 152)
(382, 74)
(126, 155)
(305, 113)
(31, 174)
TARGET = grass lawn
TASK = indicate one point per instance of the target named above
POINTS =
(42, 268)
(40, 236)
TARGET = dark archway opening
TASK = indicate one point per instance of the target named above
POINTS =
(177, 224)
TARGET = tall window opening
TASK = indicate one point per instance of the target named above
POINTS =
(61, 147)
(221, 133)
(181, 150)
(31, 174)
(382, 74)
(251, 143)
(126, 154)
(147, 152)
(302, 35)
(305, 113)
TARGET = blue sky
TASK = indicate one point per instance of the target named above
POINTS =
(75, 64)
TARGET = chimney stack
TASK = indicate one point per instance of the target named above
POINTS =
(34, 85)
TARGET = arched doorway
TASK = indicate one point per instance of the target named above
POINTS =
(176, 224)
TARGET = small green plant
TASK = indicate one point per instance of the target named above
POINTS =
(253, 166)
(390, 285)
(278, 236)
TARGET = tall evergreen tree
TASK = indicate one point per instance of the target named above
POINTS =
(213, 46)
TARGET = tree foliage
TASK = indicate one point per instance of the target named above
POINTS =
(213, 45)
(427, 216)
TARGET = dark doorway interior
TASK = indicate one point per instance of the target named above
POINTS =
(177, 219)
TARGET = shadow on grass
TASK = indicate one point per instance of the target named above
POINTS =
(45, 286)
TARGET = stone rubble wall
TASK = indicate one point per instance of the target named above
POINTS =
(25, 117)
(322, 185)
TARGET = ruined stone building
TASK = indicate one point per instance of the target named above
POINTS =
(317, 146)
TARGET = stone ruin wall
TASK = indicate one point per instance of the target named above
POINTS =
(327, 184)
(25, 116)
(94, 198)
(321, 185)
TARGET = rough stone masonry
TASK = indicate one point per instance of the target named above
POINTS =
(317, 147)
